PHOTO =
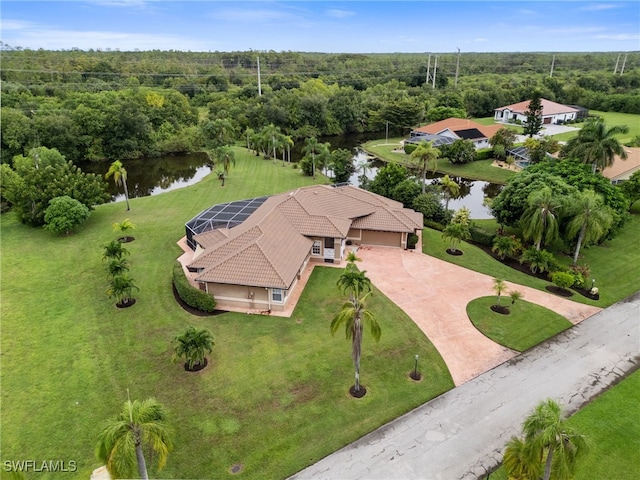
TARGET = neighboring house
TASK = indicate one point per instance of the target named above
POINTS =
(552, 112)
(622, 170)
(448, 131)
(250, 254)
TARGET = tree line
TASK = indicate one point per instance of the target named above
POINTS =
(117, 105)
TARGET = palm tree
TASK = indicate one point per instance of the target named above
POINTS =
(456, 233)
(499, 287)
(540, 219)
(193, 345)
(140, 425)
(119, 174)
(421, 156)
(506, 246)
(590, 219)
(515, 295)
(354, 282)
(323, 156)
(353, 315)
(114, 249)
(548, 439)
(596, 144)
(121, 288)
(123, 227)
(117, 266)
(226, 156)
(538, 260)
(286, 142)
(450, 189)
(352, 258)
(311, 147)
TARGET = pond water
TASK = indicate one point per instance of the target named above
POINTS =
(150, 176)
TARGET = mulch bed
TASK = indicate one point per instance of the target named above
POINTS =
(500, 309)
(126, 239)
(126, 304)
(524, 268)
(456, 253)
(563, 292)
(191, 310)
(360, 393)
(197, 367)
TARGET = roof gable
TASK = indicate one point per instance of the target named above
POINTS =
(548, 107)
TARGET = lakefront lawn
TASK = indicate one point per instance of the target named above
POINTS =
(274, 397)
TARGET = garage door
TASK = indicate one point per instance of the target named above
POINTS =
(390, 239)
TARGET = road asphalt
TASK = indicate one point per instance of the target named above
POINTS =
(462, 433)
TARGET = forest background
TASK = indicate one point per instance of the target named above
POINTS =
(95, 105)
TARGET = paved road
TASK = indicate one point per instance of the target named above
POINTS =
(461, 434)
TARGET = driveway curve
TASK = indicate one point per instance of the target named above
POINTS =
(435, 294)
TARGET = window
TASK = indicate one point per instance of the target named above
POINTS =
(315, 250)
(276, 295)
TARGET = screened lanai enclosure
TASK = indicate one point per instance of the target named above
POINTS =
(222, 215)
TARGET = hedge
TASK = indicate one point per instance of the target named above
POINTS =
(190, 295)
(481, 236)
(484, 154)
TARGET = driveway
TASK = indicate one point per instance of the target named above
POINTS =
(435, 293)
(462, 433)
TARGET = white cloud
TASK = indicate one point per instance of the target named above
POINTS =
(339, 13)
(15, 25)
(598, 7)
(619, 36)
(251, 16)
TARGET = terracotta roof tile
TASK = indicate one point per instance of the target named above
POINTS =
(623, 169)
(548, 107)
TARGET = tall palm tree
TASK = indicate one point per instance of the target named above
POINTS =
(226, 156)
(311, 147)
(119, 174)
(424, 153)
(286, 142)
(596, 144)
(450, 189)
(540, 219)
(499, 287)
(323, 156)
(193, 345)
(590, 219)
(549, 446)
(353, 282)
(353, 316)
(141, 424)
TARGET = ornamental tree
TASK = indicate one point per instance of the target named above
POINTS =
(64, 214)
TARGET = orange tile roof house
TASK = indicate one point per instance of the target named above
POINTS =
(552, 112)
(452, 129)
(622, 170)
(250, 254)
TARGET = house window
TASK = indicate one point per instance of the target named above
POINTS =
(315, 250)
(276, 295)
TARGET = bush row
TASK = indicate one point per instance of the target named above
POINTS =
(190, 295)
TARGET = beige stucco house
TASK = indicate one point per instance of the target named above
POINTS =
(250, 254)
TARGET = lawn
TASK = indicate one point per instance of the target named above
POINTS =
(274, 397)
(526, 326)
(479, 170)
(611, 424)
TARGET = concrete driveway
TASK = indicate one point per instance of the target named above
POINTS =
(435, 294)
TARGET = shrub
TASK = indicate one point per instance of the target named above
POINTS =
(409, 147)
(190, 295)
(481, 236)
(506, 246)
(64, 214)
(538, 260)
(433, 224)
(562, 279)
(412, 239)
(484, 154)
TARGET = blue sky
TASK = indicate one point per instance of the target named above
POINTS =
(323, 25)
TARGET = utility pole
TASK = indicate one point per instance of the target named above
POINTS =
(435, 70)
(553, 62)
(624, 62)
(428, 70)
(615, 70)
(457, 67)
(259, 84)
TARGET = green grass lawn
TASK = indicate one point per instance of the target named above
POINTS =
(274, 397)
(480, 170)
(614, 264)
(526, 326)
(611, 424)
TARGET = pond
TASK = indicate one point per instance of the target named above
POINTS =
(150, 176)
(472, 192)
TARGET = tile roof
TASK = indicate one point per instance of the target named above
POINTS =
(623, 169)
(456, 125)
(270, 246)
(548, 107)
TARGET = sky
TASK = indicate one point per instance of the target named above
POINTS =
(420, 26)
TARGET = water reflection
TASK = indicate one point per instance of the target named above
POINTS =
(150, 176)
(472, 192)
